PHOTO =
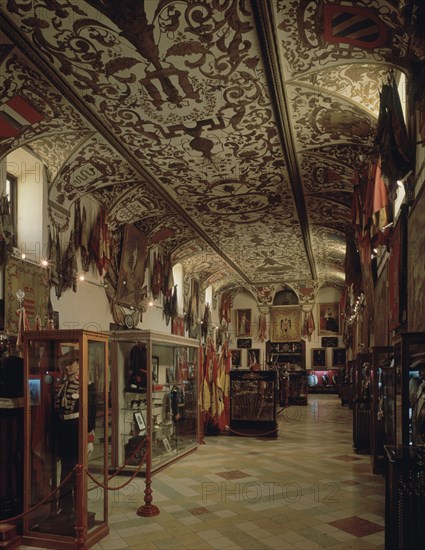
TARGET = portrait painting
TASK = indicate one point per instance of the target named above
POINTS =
(338, 357)
(329, 320)
(254, 358)
(132, 268)
(285, 322)
(243, 322)
(236, 358)
(318, 357)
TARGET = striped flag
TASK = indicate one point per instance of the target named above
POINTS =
(16, 115)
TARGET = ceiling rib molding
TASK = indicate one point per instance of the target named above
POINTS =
(26, 47)
(263, 16)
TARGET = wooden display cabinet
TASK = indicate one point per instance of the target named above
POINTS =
(65, 422)
(155, 392)
(361, 403)
(382, 368)
(253, 402)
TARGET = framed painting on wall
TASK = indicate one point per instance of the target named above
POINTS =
(338, 357)
(236, 358)
(33, 280)
(243, 322)
(132, 268)
(329, 319)
(329, 341)
(285, 324)
(318, 357)
(244, 343)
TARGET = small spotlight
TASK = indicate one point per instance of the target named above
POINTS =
(44, 263)
(82, 278)
(23, 256)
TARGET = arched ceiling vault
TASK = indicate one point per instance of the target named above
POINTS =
(227, 131)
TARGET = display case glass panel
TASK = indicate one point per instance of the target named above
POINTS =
(409, 353)
(65, 417)
(155, 381)
(382, 369)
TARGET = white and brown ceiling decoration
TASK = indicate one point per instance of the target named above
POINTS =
(230, 127)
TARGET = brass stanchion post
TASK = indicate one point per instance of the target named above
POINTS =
(148, 509)
(80, 541)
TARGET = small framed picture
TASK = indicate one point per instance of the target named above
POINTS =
(318, 357)
(338, 357)
(166, 444)
(236, 358)
(155, 369)
(35, 391)
(140, 421)
(329, 341)
(170, 375)
(244, 343)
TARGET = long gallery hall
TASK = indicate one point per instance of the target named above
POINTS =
(306, 489)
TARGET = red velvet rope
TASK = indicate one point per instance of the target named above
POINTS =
(50, 495)
(229, 429)
(45, 499)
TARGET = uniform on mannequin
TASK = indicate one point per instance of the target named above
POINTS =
(67, 408)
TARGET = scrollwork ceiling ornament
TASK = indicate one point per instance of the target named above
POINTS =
(180, 132)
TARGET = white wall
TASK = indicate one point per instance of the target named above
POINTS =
(32, 201)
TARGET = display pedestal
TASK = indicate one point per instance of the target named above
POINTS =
(9, 538)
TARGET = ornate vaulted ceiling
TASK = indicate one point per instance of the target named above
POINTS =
(226, 130)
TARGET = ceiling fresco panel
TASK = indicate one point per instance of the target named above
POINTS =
(226, 131)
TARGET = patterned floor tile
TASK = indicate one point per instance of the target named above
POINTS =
(357, 526)
(233, 474)
(301, 490)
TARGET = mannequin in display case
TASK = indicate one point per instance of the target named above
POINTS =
(67, 426)
(138, 366)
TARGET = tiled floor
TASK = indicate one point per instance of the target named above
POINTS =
(305, 490)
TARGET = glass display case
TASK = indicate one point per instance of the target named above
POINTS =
(404, 497)
(409, 356)
(66, 459)
(381, 369)
(155, 392)
(253, 402)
